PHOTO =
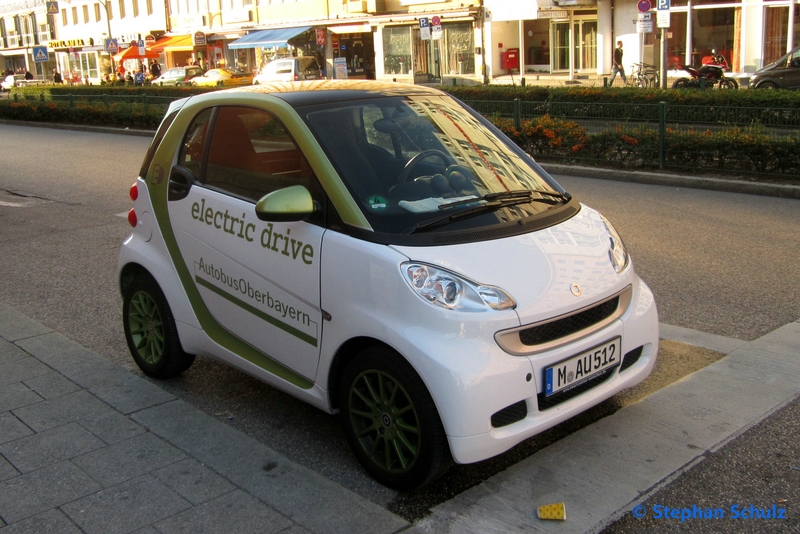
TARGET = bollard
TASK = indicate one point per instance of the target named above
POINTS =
(522, 82)
(605, 81)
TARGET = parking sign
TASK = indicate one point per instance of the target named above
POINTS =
(662, 5)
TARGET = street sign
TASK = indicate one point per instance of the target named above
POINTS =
(436, 28)
(40, 54)
(662, 5)
(644, 24)
(320, 36)
(424, 28)
(52, 7)
(644, 6)
(142, 49)
(149, 40)
(662, 18)
(112, 46)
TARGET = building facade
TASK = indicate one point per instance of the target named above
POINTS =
(416, 41)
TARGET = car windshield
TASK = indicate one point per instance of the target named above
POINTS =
(427, 164)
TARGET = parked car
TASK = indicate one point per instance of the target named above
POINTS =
(382, 251)
(781, 74)
(289, 70)
(223, 78)
(178, 76)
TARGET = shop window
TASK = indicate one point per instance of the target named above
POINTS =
(397, 49)
(775, 33)
(458, 41)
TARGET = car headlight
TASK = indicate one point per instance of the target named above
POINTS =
(616, 250)
(450, 291)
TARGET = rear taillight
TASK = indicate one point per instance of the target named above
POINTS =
(132, 219)
(134, 192)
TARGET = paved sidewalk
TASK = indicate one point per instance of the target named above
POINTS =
(87, 446)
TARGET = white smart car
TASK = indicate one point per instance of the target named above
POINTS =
(380, 251)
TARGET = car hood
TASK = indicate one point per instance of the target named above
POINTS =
(538, 269)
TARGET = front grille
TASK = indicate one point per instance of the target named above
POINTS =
(546, 402)
(510, 414)
(559, 328)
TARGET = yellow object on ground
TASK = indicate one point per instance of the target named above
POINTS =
(553, 511)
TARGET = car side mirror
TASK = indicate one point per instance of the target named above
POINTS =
(292, 203)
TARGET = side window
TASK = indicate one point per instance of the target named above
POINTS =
(194, 144)
(371, 115)
(251, 154)
(283, 67)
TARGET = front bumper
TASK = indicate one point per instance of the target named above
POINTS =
(486, 415)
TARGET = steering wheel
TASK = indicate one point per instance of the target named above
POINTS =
(413, 162)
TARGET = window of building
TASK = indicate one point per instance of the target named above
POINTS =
(75, 15)
(149, 7)
(44, 33)
(122, 9)
(135, 4)
(397, 50)
(85, 14)
(64, 21)
(97, 12)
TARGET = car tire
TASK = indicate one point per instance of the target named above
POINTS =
(150, 330)
(770, 86)
(390, 420)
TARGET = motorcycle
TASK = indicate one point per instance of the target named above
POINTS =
(711, 74)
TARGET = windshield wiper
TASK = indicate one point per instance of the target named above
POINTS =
(490, 202)
(469, 212)
(526, 195)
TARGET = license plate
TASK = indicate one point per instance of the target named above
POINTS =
(566, 375)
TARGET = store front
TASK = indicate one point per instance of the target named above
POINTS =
(405, 55)
(583, 39)
(254, 50)
(80, 61)
(355, 44)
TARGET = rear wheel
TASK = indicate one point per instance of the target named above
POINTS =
(391, 422)
(771, 86)
(681, 83)
(728, 83)
(150, 330)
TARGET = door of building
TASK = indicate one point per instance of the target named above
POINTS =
(584, 39)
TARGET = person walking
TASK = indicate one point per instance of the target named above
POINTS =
(155, 69)
(57, 77)
(617, 65)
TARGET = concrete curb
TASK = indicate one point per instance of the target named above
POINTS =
(677, 180)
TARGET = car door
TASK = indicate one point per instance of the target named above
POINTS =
(792, 76)
(258, 280)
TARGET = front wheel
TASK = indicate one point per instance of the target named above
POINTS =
(150, 330)
(681, 83)
(391, 422)
(728, 83)
(769, 86)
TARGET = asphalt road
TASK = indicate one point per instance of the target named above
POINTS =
(717, 262)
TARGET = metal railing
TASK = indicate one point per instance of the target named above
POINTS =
(666, 136)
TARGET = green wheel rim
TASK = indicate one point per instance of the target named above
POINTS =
(385, 421)
(146, 327)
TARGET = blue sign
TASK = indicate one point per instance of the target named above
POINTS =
(112, 46)
(40, 54)
(139, 79)
(662, 5)
(424, 22)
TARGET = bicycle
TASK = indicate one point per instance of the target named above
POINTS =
(644, 75)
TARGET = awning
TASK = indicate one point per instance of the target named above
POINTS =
(268, 38)
(174, 43)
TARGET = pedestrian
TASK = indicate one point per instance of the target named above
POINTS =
(28, 75)
(617, 66)
(155, 69)
(57, 77)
